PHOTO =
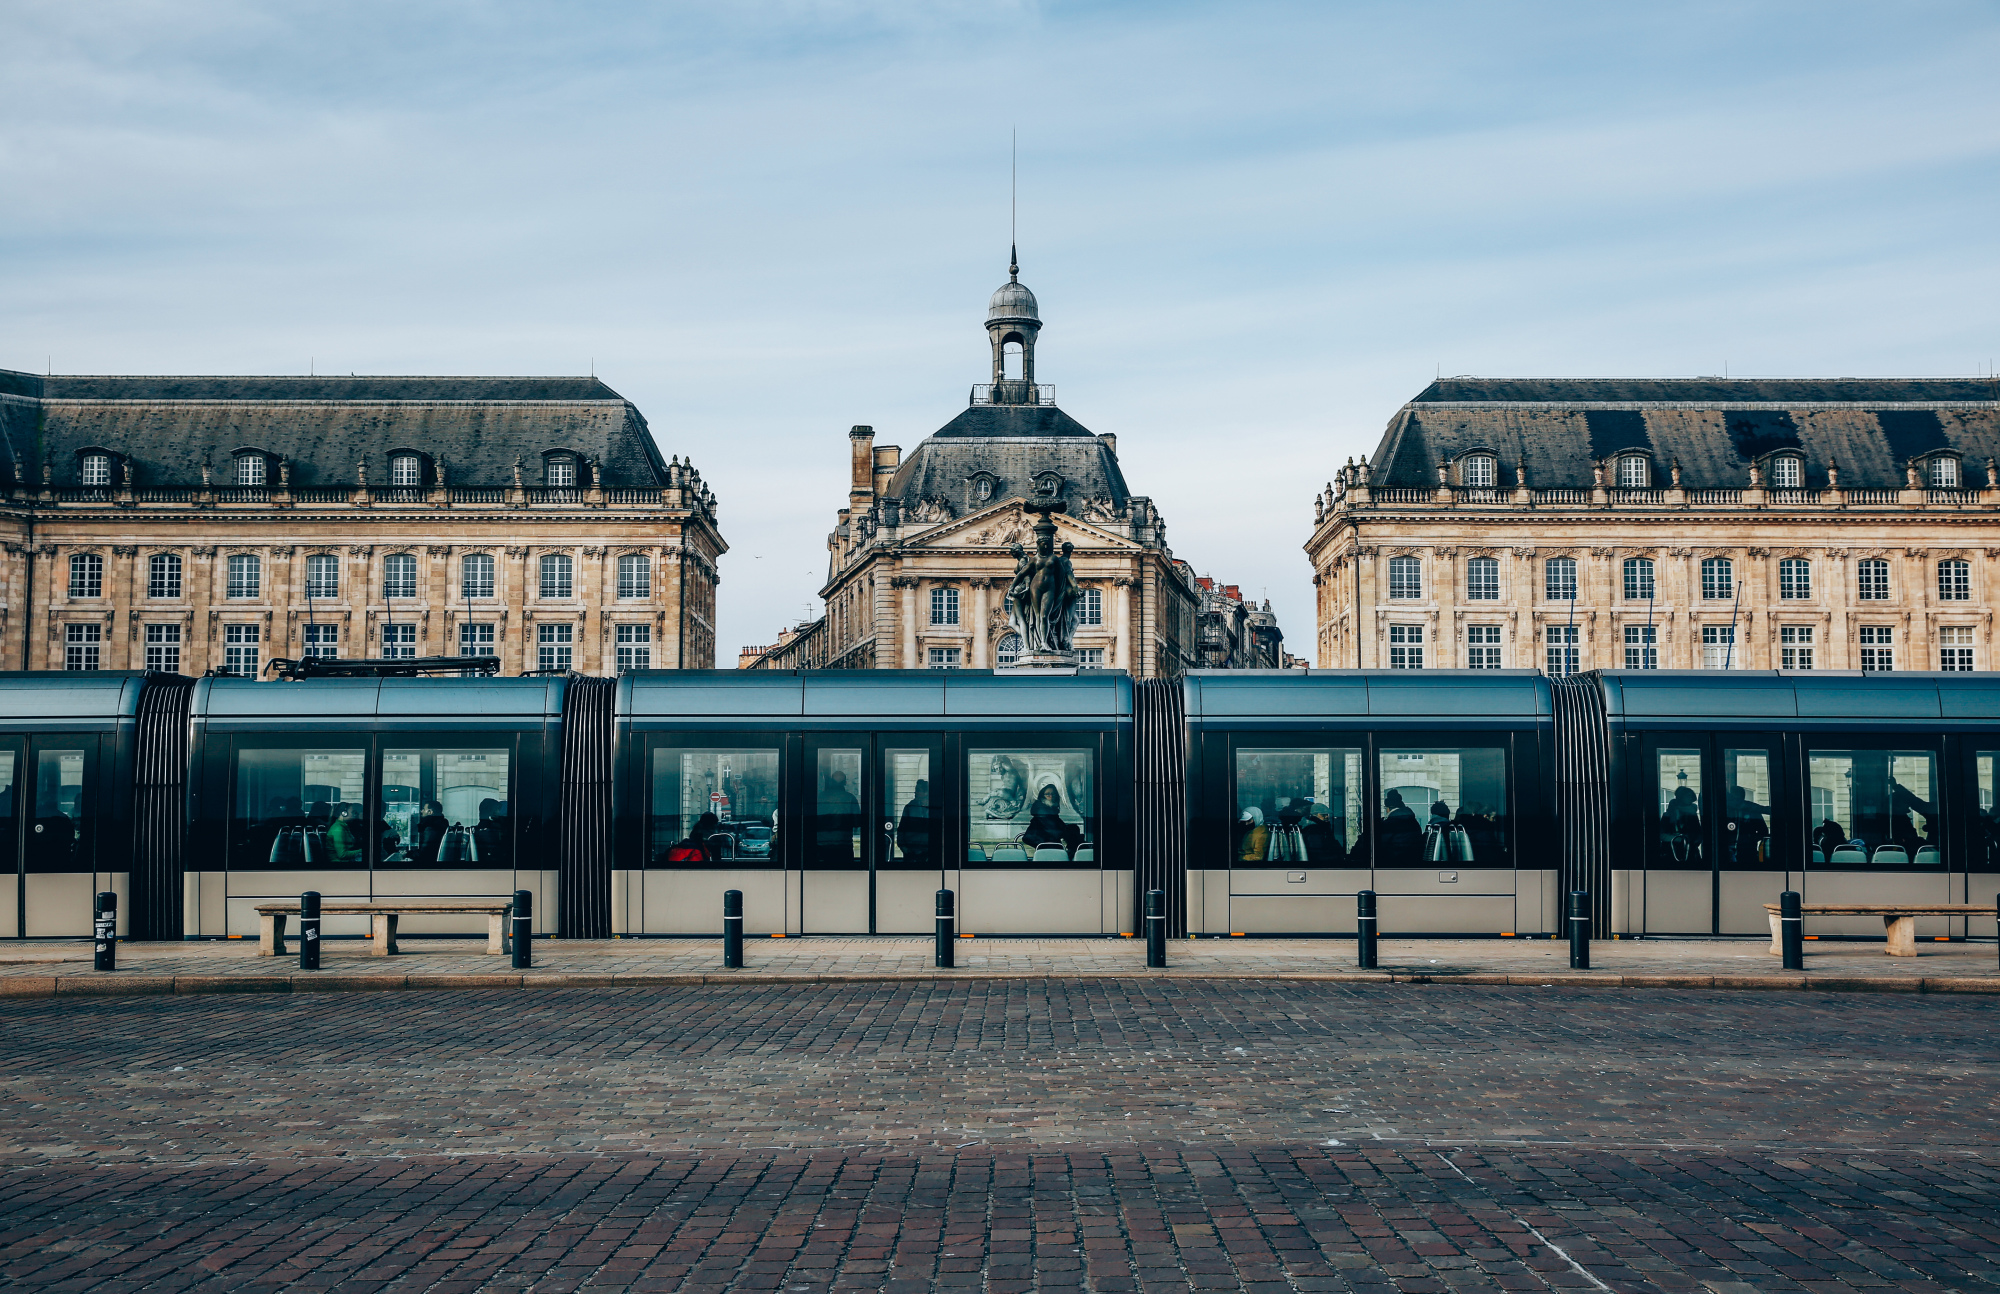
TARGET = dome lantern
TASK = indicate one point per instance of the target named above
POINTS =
(1012, 321)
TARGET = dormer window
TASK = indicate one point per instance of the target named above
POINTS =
(1634, 472)
(1048, 483)
(561, 472)
(406, 471)
(1476, 471)
(97, 469)
(250, 469)
(1787, 472)
(1944, 472)
(984, 487)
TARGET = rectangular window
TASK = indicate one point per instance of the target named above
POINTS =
(635, 576)
(557, 575)
(1718, 579)
(1639, 585)
(1477, 472)
(1794, 577)
(1031, 807)
(1795, 647)
(476, 576)
(1406, 646)
(59, 838)
(1954, 580)
(322, 576)
(476, 640)
(944, 657)
(163, 577)
(1872, 578)
(906, 808)
(246, 576)
(1090, 657)
(944, 606)
(405, 471)
(399, 576)
(82, 645)
(322, 642)
(1482, 579)
(1679, 843)
(635, 646)
(241, 649)
(1718, 647)
(1944, 473)
(399, 642)
(1955, 650)
(1406, 577)
(298, 809)
(86, 576)
(1443, 806)
(561, 473)
(1562, 654)
(834, 829)
(447, 808)
(163, 648)
(1878, 649)
(554, 646)
(1559, 579)
(1092, 607)
(1633, 473)
(1785, 472)
(1299, 806)
(1747, 800)
(1875, 808)
(1642, 647)
(96, 469)
(1482, 646)
(714, 806)
(250, 470)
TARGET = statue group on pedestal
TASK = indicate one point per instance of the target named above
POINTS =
(1044, 600)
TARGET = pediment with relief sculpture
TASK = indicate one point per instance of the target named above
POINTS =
(1007, 524)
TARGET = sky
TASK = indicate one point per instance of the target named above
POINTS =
(1255, 229)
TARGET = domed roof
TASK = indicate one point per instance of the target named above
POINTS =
(1012, 301)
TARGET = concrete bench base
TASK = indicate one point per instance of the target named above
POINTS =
(1899, 921)
(271, 919)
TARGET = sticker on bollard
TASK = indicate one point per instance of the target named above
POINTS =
(524, 929)
(309, 930)
(1579, 929)
(1156, 929)
(105, 928)
(732, 929)
(947, 928)
(1365, 929)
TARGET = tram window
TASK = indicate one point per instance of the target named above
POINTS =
(299, 808)
(59, 836)
(1678, 840)
(9, 842)
(1298, 806)
(447, 808)
(836, 821)
(1031, 808)
(1875, 808)
(1986, 830)
(715, 806)
(1746, 820)
(1444, 806)
(908, 825)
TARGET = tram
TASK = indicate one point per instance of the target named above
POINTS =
(1261, 802)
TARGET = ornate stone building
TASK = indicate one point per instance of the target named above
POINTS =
(1682, 524)
(918, 561)
(197, 523)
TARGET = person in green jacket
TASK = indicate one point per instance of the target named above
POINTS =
(343, 838)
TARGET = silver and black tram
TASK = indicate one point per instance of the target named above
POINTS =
(838, 802)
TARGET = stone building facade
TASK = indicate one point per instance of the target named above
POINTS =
(918, 561)
(214, 523)
(1235, 633)
(1680, 524)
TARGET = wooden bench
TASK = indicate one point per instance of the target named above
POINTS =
(271, 918)
(1899, 920)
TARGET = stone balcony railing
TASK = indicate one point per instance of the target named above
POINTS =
(261, 498)
(1565, 498)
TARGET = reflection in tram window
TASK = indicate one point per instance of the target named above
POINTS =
(1444, 806)
(1297, 806)
(1679, 841)
(299, 808)
(1875, 808)
(9, 841)
(907, 828)
(1985, 840)
(715, 807)
(59, 836)
(836, 824)
(1746, 823)
(446, 808)
(1031, 808)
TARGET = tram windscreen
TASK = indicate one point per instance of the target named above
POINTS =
(299, 808)
(1031, 808)
(1297, 805)
(446, 808)
(715, 807)
(1444, 806)
(1875, 808)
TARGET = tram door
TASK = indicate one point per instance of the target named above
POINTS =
(871, 841)
(1719, 834)
(1033, 813)
(52, 799)
(13, 890)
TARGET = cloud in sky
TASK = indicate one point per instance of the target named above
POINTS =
(1255, 229)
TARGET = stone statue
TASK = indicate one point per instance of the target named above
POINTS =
(1044, 600)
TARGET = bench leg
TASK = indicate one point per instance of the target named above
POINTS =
(1777, 939)
(495, 925)
(270, 934)
(1902, 932)
(385, 935)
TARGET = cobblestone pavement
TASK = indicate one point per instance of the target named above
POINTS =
(1102, 1134)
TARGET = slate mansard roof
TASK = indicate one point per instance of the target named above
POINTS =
(1013, 444)
(1715, 427)
(323, 426)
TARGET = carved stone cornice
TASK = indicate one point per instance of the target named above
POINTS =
(125, 550)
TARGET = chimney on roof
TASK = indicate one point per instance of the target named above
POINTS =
(861, 476)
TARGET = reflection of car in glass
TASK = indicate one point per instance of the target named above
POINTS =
(754, 842)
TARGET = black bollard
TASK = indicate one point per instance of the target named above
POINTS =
(106, 931)
(309, 930)
(524, 929)
(1156, 929)
(1791, 930)
(1579, 929)
(947, 928)
(732, 929)
(1366, 928)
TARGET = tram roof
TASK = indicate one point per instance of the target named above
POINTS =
(32, 695)
(914, 693)
(1485, 694)
(1827, 695)
(357, 698)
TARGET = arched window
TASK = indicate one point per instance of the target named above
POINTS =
(399, 576)
(1010, 360)
(635, 576)
(1787, 472)
(1944, 472)
(1794, 578)
(1406, 577)
(1872, 579)
(557, 575)
(1007, 650)
(1639, 586)
(476, 577)
(1718, 578)
(1634, 472)
(322, 576)
(249, 469)
(561, 471)
(1482, 579)
(86, 576)
(1475, 471)
(406, 470)
(97, 469)
(1559, 579)
(163, 576)
(1954, 580)
(246, 576)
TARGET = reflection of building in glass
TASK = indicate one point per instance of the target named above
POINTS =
(1031, 806)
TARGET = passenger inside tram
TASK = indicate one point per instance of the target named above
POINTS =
(1031, 807)
(1748, 831)
(913, 834)
(1879, 805)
